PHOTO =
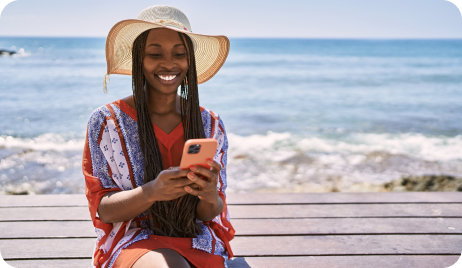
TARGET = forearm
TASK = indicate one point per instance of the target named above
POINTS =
(208, 211)
(125, 205)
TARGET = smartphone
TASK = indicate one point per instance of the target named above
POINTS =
(197, 151)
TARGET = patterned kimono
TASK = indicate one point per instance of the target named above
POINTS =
(113, 161)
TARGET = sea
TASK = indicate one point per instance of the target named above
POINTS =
(302, 115)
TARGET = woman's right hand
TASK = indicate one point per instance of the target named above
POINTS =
(169, 184)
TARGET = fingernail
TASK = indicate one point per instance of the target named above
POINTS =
(190, 175)
(187, 188)
(210, 162)
(193, 168)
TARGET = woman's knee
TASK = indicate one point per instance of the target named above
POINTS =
(161, 258)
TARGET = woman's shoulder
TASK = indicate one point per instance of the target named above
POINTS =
(101, 114)
(209, 113)
(108, 110)
(213, 125)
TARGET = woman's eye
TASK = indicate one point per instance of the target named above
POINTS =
(180, 54)
(154, 55)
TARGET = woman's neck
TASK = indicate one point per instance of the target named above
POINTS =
(164, 110)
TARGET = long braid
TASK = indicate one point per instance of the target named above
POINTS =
(175, 218)
(190, 109)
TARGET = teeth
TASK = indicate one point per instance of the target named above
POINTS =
(167, 77)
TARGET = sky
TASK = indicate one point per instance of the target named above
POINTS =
(244, 18)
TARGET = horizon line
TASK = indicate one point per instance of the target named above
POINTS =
(260, 37)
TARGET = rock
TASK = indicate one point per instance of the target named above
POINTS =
(6, 52)
(426, 183)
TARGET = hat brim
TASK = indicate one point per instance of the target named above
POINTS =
(210, 51)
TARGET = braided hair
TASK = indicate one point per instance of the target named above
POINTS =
(174, 218)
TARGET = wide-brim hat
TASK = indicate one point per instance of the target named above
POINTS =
(210, 51)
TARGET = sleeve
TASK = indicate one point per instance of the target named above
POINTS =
(221, 156)
(222, 225)
(96, 170)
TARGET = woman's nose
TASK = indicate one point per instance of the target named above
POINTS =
(168, 62)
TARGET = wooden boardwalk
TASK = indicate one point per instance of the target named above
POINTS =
(418, 229)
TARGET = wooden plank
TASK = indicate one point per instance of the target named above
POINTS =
(80, 229)
(45, 214)
(347, 226)
(342, 198)
(44, 229)
(346, 245)
(425, 261)
(259, 211)
(346, 210)
(258, 198)
(52, 200)
(21, 249)
(72, 263)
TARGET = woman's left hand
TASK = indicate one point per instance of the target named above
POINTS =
(208, 191)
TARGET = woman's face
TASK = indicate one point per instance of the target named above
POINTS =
(165, 61)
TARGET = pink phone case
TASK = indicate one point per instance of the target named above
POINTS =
(206, 151)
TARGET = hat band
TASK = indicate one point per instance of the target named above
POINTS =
(172, 23)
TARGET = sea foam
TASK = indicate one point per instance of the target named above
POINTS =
(359, 162)
(51, 163)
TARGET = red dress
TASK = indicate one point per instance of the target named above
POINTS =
(112, 161)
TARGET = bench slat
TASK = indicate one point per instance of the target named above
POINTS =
(258, 198)
(348, 226)
(83, 229)
(260, 246)
(293, 262)
(52, 200)
(435, 261)
(45, 229)
(45, 214)
(72, 263)
(329, 198)
(346, 210)
(346, 245)
(21, 249)
(260, 211)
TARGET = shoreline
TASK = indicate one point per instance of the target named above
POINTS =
(425, 183)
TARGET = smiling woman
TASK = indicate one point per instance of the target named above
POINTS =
(146, 211)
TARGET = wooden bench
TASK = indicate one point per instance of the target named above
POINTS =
(418, 229)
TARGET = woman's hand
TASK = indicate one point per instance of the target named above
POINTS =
(170, 184)
(210, 204)
(207, 190)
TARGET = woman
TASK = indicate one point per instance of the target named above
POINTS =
(146, 211)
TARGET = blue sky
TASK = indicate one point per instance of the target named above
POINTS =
(240, 18)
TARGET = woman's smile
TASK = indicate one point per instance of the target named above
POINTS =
(167, 79)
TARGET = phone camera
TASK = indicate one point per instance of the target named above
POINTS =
(194, 149)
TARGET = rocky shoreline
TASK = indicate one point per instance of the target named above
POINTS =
(426, 183)
(7, 52)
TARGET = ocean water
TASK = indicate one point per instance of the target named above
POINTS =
(301, 114)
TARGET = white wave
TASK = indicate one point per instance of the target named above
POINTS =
(286, 161)
(45, 142)
(285, 145)
(46, 164)
(282, 161)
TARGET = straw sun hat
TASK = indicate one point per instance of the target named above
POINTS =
(210, 51)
